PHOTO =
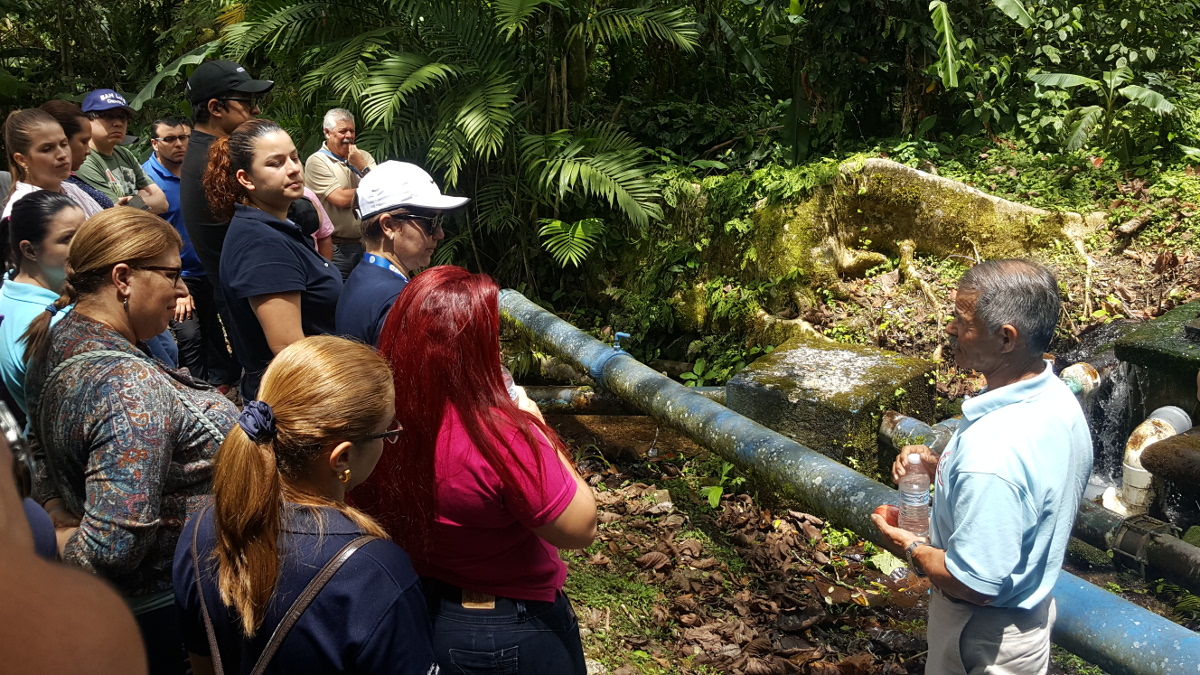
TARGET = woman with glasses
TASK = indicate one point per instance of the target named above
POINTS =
(481, 493)
(279, 518)
(122, 444)
(277, 287)
(401, 209)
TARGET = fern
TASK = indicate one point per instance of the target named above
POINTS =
(570, 243)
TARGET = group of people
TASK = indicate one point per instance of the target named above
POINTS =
(382, 502)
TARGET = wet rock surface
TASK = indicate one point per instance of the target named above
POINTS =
(830, 396)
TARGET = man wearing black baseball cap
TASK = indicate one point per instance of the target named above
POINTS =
(223, 95)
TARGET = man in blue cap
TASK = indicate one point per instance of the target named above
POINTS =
(110, 168)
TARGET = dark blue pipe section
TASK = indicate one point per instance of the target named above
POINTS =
(1116, 635)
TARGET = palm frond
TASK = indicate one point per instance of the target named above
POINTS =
(570, 243)
(1063, 80)
(511, 15)
(1079, 125)
(672, 26)
(1149, 99)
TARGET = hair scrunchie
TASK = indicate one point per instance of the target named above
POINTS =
(258, 421)
(52, 309)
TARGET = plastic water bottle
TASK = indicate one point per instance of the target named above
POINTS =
(914, 497)
(509, 384)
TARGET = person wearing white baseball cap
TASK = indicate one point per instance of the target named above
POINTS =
(401, 210)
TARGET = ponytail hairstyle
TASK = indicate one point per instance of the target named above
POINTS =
(30, 220)
(18, 137)
(226, 157)
(322, 390)
(121, 234)
(442, 338)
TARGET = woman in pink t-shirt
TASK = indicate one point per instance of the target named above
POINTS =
(479, 491)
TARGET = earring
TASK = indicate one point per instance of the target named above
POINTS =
(125, 303)
(345, 476)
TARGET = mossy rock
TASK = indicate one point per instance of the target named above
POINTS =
(1164, 360)
(831, 397)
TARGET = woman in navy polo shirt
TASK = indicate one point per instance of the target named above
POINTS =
(279, 517)
(277, 287)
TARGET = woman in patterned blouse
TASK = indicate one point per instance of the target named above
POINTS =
(124, 445)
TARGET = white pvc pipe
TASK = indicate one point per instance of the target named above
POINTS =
(1138, 487)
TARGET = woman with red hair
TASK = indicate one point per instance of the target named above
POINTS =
(480, 492)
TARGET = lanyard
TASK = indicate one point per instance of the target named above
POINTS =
(380, 261)
(342, 161)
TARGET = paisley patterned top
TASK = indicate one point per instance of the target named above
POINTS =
(121, 439)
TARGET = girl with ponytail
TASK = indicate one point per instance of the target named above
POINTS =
(123, 445)
(277, 287)
(33, 247)
(279, 515)
(39, 158)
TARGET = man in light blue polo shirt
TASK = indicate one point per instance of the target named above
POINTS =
(1008, 485)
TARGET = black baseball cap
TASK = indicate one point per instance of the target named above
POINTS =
(211, 79)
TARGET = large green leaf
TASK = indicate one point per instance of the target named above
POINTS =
(1149, 99)
(172, 69)
(1064, 80)
(1118, 77)
(1079, 125)
(949, 58)
(1015, 11)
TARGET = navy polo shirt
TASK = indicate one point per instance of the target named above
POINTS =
(263, 255)
(367, 296)
(370, 617)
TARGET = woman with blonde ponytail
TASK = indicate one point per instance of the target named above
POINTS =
(123, 445)
(279, 522)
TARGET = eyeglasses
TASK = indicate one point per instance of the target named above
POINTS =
(171, 140)
(391, 434)
(172, 273)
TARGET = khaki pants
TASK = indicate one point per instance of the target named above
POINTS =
(966, 639)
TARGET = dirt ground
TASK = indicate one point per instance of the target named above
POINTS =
(675, 585)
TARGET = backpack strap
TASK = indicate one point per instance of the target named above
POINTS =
(310, 592)
(213, 652)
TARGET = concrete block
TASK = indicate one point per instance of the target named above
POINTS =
(831, 397)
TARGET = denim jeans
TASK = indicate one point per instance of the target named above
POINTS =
(517, 637)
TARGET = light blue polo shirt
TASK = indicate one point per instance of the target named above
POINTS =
(19, 304)
(1008, 488)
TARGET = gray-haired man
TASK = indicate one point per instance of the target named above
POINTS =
(333, 173)
(1008, 483)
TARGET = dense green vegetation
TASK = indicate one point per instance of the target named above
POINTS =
(577, 126)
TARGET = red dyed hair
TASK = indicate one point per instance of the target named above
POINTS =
(442, 338)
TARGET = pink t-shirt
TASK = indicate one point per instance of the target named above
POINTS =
(326, 227)
(482, 539)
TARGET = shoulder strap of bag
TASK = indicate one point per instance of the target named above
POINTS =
(213, 652)
(310, 592)
(293, 614)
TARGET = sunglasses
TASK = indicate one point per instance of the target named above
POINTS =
(429, 225)
(173, 274)
(391, 434)
(171, 140)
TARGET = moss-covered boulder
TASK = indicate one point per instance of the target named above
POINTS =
(831, 397)
(1165, 362)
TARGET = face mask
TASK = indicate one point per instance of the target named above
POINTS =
(55, 276)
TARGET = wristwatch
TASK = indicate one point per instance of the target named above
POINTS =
(364, 171)
(912, 561)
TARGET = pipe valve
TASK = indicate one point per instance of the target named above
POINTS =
(617, 340)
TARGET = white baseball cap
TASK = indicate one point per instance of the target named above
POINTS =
(392, 185)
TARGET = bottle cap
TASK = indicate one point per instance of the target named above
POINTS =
(914, 458)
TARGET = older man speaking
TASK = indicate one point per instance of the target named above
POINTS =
(1008, 484)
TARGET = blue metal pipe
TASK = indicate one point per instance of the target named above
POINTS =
(1095, 624)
